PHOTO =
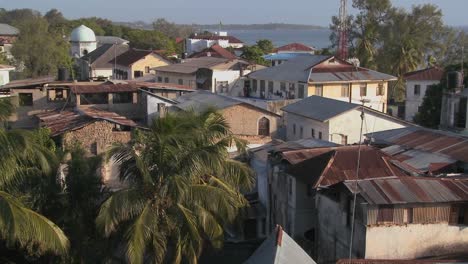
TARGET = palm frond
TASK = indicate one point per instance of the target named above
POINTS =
(22, 225)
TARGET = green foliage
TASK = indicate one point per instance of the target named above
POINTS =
(183, 188)
(429, 112)
(253, 54)
(40, 52)
(172, 30)
(265, 45)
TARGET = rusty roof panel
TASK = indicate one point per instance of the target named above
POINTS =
(330, 165)
(105, 88)
(411, 190)
(450, 145)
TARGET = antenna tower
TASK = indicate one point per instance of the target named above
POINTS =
(343, 32)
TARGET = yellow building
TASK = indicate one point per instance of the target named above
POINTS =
(137, 63)
(320, 75)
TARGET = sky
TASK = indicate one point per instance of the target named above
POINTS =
(310, 12)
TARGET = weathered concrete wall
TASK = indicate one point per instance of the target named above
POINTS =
(24, 116)
(414, 101)
(333, 230)
(349, 124)
(415, 241)
(186, 79)
(243, 119)
(150, 61)
(307, 125)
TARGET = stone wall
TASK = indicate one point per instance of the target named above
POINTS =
(96, 138)
(243, 119)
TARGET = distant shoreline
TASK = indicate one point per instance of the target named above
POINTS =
(216, 27)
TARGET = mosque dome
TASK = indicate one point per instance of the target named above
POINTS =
(83, 34)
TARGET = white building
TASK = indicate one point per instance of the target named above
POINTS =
(83, 41)
(333, 120)
(5, 73)
(198, 43)
(417, 83)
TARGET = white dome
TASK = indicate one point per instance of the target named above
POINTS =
(82, 34)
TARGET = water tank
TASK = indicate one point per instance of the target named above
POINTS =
(454, 80)
(62, 74)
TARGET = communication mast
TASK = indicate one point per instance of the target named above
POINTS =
(343, 32)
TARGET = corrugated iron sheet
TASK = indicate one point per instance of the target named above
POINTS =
(411, 190)
(105, 88)
(330, 165)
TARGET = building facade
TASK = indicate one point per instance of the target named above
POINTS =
(417, 83)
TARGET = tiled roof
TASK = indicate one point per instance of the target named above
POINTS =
(214, 51)
(104, 88)
(319, 108)
(103, 56)
(131, 56)
(279, 248)
(331, 165)
(294, 47)
(60, 122)
(231, 39)
(192, 65)
(410, 190)
(110, 40)
(428, 74)
(7, 30)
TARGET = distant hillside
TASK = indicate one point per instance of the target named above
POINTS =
(215, 27)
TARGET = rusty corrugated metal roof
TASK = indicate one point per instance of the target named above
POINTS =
(60, 122)
(397, 261)
(331, 165)
(428, 74)
(410, 190)
(104, 88)
(449, 144)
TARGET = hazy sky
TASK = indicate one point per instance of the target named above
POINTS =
(317, 12)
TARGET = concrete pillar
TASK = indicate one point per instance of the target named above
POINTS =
(78, 99)
(135, 98)
(110, 98)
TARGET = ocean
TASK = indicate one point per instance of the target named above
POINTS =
(318, 38)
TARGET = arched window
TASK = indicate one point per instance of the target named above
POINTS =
(85, 52)
(264, 127)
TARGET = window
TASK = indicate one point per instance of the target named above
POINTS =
(57, 94)
(345, 90)
(301, 92)
(292, 91)
(89, 99)
(166, 79)
(417, 89)
(147, 69)
(264, 127)
(301, 132)
(294, 129)
(283, 86)
(180, 82)
(380, 89)
(262, 89)
(320, 135)
(344, 140)
(319, 89)
(312, 133)
(159, 79)
(363, 89)
(270, 88)
(122, 98)
(137, 74)
(25, 99)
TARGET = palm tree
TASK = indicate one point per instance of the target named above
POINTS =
(183, 188)
(21, 157)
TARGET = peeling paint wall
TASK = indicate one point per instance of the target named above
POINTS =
(415, 241)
